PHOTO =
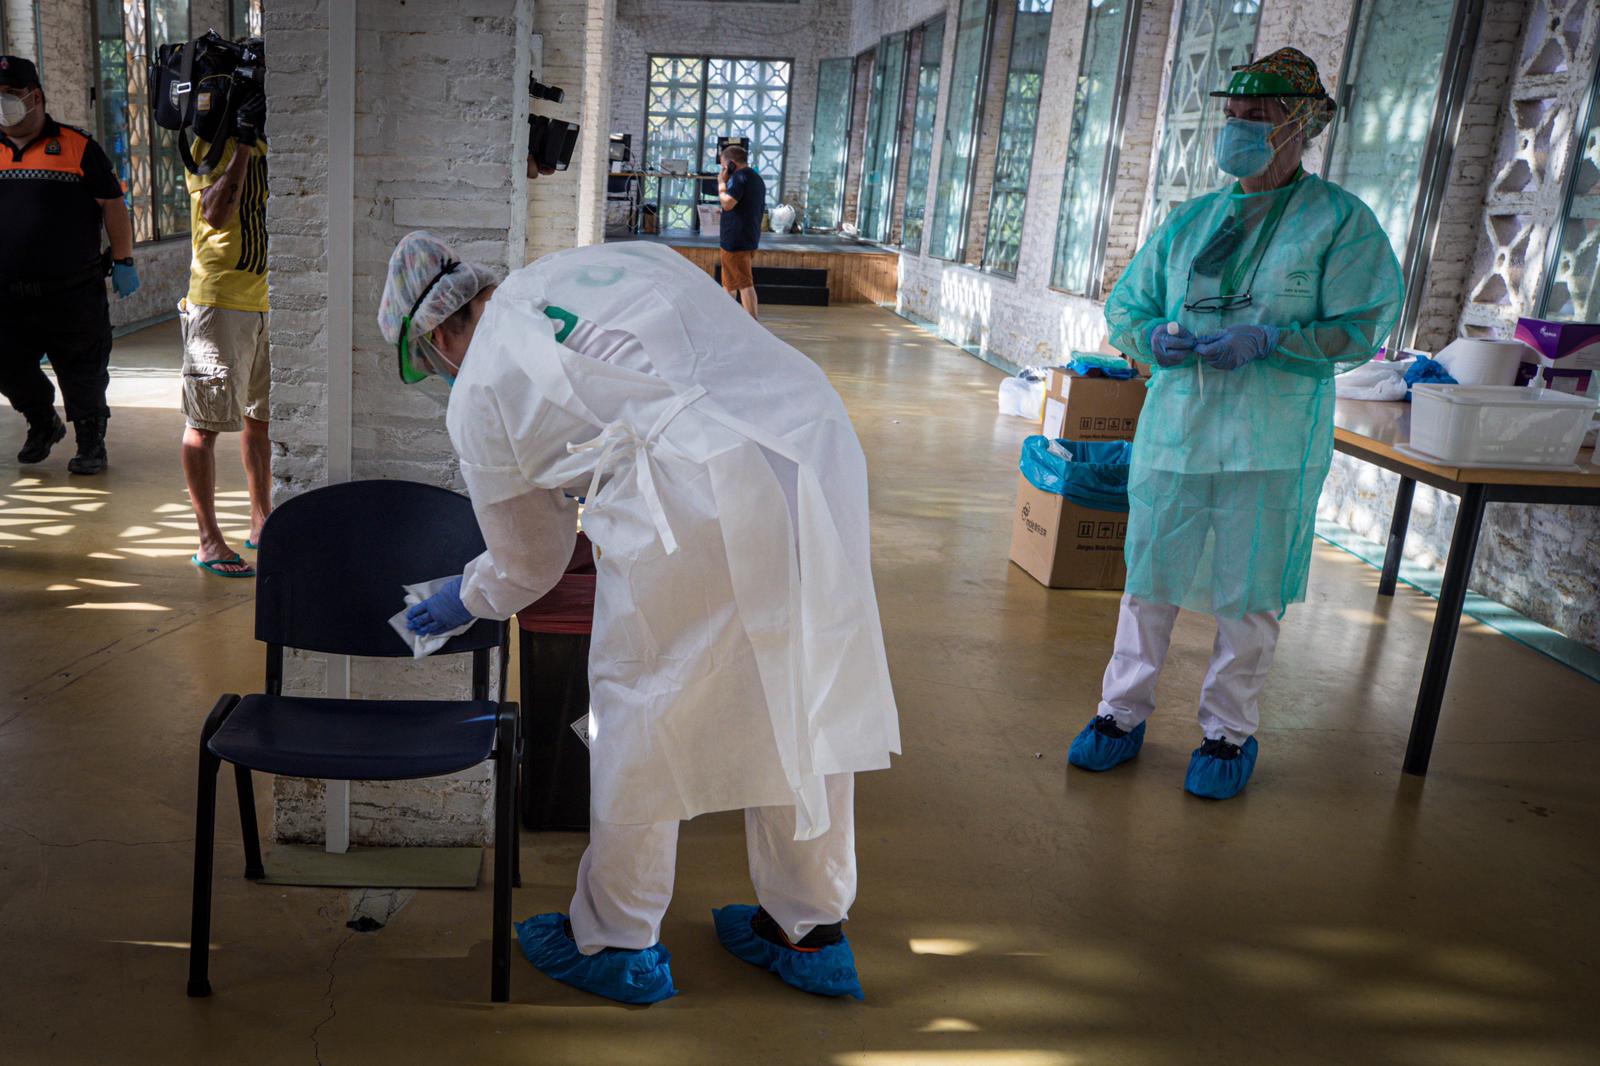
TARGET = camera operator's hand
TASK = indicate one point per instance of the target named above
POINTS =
(248, 120)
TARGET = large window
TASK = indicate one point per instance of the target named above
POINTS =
(917, 173)
(825, 182)
(693, 100)
(126, 34)
(957, 154)
(1392, 77)
(1013, 161)
(1092, 147)
(244, 18)
(1214, 37)
(1572, 286)
(881, 153)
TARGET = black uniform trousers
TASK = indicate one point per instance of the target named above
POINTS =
(72, 325)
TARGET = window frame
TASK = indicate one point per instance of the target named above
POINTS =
(152, 143)
(958, 254)
(889, 148)
(705, 60)
(844, 148)
(1094, 287)
(1005, 105)
(1588, 114)
(911, 147)
(1433, 170)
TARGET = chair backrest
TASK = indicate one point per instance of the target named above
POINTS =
(333, 561)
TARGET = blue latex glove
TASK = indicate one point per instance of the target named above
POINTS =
(1236, 346)
(439, 613)
(124, 278)
(1172, 349)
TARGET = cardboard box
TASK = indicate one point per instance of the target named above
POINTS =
(1065, 546)
(1080, 408)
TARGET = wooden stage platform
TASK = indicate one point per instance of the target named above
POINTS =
(857, 273)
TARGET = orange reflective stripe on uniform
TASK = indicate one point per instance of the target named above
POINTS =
(59, 154)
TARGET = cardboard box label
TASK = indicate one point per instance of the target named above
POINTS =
(1063, 545)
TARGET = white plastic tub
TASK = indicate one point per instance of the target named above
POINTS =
(1491, 425)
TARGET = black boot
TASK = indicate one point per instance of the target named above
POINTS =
(44, 433)
(91, 457)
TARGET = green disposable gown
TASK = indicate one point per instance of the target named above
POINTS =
(1228, 465)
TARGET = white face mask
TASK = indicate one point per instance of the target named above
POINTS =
(13, 109)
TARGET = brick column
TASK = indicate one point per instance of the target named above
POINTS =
(440, 144)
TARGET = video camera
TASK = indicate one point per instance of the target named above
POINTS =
(550, 140)
(198, 87)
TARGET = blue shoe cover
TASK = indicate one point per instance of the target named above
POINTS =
(637, 977)
(1094, 750)
(1213, 777)
(829, 971)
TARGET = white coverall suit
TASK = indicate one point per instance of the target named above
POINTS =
(737, 658)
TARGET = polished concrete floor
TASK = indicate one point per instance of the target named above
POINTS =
(1011, 913)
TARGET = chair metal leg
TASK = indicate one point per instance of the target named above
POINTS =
(505, 829)
(516, 808)
(247, 823)
(205, 826)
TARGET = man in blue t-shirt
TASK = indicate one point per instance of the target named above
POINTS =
(743, 196)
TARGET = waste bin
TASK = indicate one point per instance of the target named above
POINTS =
(554, 651)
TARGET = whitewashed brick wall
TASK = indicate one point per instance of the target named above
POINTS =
(553, 199)
(806, 32)
(440, 143)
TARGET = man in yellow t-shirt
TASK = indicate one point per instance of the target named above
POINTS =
(226, 369)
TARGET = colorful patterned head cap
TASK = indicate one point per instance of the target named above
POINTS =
(1290, 75)
(418, 260)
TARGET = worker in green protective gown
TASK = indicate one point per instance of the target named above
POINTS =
(1246, 301)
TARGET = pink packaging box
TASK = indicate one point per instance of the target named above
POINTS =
(1572, 345)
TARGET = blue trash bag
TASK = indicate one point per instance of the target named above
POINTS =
(1093, 365)
(1095, 477)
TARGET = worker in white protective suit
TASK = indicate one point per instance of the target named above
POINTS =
(737, 659)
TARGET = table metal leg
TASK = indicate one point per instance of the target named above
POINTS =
(1446, 620)
(1398, 524)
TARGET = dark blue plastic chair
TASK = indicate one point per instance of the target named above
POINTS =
(330, 567)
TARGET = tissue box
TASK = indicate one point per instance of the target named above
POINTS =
(1575, 345)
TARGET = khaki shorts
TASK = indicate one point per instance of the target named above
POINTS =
(225, 367)
(737, 271)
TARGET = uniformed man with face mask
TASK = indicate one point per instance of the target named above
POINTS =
(58, 192)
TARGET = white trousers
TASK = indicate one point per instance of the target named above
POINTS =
(1240, 662)
(625, 879)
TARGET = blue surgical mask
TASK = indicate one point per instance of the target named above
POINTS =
(1243, 147)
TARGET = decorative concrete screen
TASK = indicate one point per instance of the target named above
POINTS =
(1574, 291)
(693, 100)
(1214, 37)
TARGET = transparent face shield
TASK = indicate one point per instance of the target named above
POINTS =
(419, 355)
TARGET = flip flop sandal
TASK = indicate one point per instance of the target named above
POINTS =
(250, 545)
(211, 566)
